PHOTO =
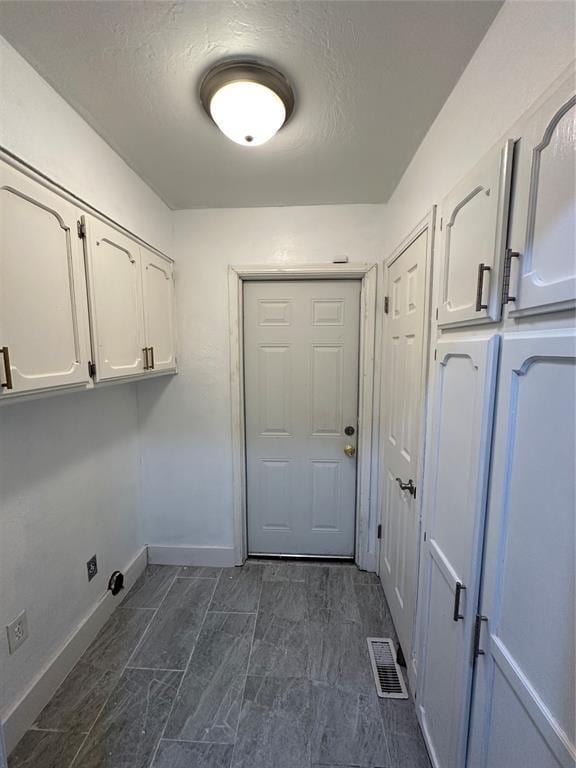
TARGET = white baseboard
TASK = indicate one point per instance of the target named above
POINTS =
(222, 557)
(23, 714)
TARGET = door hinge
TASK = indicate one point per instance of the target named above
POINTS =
(91, 369)
(379, 534)
(81, 226)
(477, 630)
(386, 304)
(510, 254)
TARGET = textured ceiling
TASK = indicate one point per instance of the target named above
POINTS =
(369, 79)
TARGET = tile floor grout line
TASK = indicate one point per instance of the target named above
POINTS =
(155, 752)
(124, 668)
(247, 670)
(139, 643)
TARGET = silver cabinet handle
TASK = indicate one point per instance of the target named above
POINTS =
(7, 369)
(482, 268)
(146, 364)
(151, 357)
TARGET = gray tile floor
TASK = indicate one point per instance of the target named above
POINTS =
(264, 666)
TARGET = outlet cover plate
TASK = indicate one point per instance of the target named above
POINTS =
(17, 632)
(92, 567)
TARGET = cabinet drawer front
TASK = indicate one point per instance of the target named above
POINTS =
(43, 314)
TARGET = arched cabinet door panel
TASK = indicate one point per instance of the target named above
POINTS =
(453, 521)
(158, 294)
(474, 223)
(43, 308)
(545, 206)
(523, 707)
(115, 290)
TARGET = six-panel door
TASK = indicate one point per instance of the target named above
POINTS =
(546, 207)
(301, 342)
(474, 221)
(403, 348)
(158, 294)
(43, 312)
(523, 711)
(115, 288)
(462, 402)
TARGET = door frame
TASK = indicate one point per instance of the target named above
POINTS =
(427, 223)
(366, 509)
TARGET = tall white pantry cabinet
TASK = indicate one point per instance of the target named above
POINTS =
(496, 605)
(81, 301)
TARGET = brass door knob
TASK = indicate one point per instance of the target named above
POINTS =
(349, 450)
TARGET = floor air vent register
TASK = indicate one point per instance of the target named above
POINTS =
(387, 675)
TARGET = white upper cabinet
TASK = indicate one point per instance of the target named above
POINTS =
(43, 313)
(545, 205)
(158, 293)
(474, 220)
(115, 293)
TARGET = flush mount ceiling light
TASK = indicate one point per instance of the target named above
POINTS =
(247, 100)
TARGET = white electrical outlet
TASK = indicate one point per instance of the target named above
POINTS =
(17, 632)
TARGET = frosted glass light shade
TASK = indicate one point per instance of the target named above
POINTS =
(248, 113)
(248, 100)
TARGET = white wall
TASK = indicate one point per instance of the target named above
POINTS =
(69, 465)
(186, 421)
(527, 47)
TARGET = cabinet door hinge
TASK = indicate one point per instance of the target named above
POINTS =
(477, 630)
(386, 304)
(81, 226)
(91, 369)
(379, 534)
(510, 254)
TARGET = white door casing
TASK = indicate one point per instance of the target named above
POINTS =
(301, 346)
(523, 712)
(545, 204)
(453, 524)
(404, 366)
(474, 224)
(43, 311)
(158, 298)
(116, 314)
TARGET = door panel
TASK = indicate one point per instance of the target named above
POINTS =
(456, 484)
(301, 343)
(43, 312)
(523, 705)
(474, 221)
(402, 381)
(115, 301)
(546, 204)
(158, 293)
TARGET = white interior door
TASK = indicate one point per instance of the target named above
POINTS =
(115, 301)
(474, 222)
(301, 342)
(158, 295)
(454, 507)
(524, 712)
(546, 205)
(43, 313)
(402, 386)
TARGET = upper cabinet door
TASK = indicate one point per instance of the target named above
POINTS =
(545, 206)
(43, 314)
(158, 292)
(115, 291)
(474, 221)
